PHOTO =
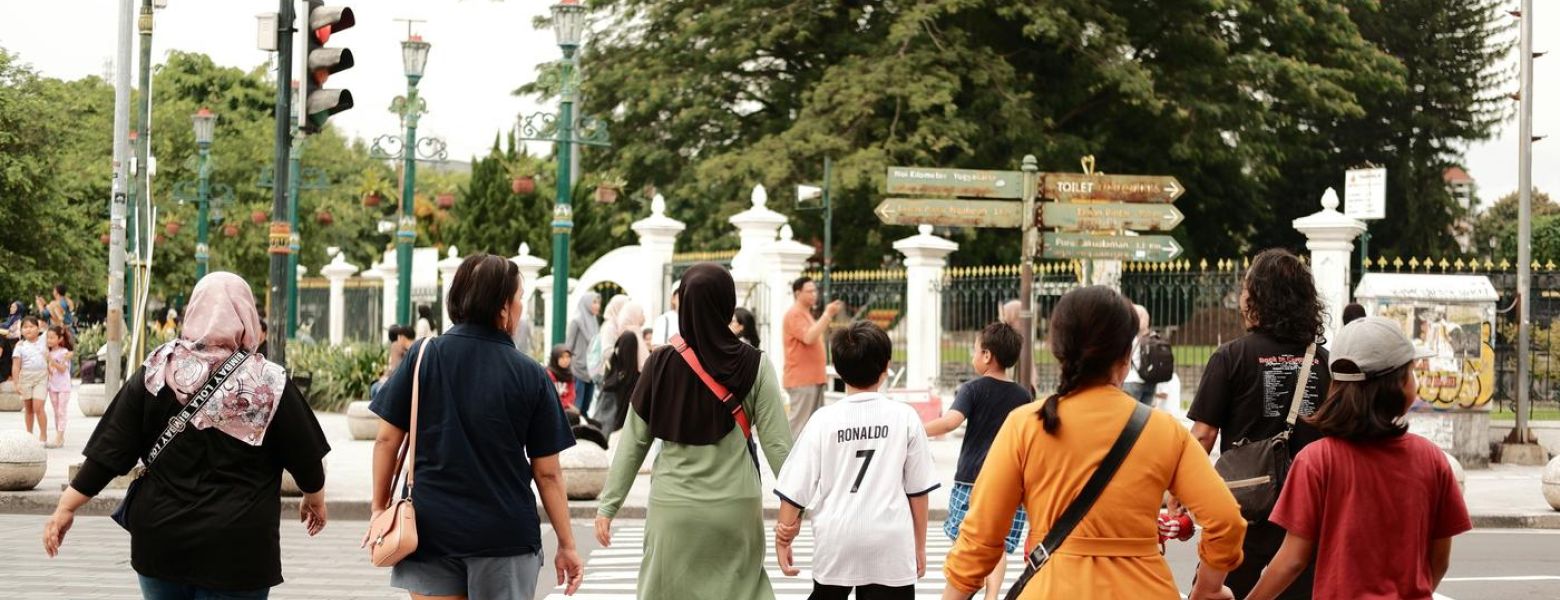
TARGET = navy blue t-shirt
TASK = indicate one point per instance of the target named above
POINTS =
(484, 408)
(985, 402)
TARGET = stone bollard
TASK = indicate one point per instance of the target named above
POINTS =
(91, 399)
(22, 461)
(584, 470)
(10, 401)
(1552, 483)
(1457, 471)
(361, 421)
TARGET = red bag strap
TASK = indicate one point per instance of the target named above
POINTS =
(725, 395)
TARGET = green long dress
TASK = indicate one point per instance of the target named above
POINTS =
(704, 531)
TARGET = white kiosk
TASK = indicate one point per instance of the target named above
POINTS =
(1453, 316)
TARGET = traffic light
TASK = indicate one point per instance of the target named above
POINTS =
(319, 103)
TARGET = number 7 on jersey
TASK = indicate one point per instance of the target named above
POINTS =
(866, 455)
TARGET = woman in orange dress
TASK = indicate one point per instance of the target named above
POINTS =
(1046, 451)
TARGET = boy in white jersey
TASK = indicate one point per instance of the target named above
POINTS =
(863, 469)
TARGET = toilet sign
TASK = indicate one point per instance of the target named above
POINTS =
(1365, 193)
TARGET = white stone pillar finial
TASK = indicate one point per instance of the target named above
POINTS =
(658, 206)
(760, 196)
(1330, 237)
(447, 269)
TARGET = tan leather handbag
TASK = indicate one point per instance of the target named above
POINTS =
(393, 535)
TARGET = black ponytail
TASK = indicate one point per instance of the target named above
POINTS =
(1091, 330)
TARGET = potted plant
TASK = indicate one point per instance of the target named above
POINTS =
(230, 230)
(323, 217)
(257, 217)
(172, 228)
(522, 174)
(104, 238)
(609, 186)
(445, 200)
(372, 186)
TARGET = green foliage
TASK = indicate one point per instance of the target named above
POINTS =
(89, 340)
(1499, 223)
(341, 375)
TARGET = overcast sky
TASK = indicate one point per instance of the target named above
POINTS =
(483, 49)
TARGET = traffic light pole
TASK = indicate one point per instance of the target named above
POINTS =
(280, 236)
(563, 212)
(407, 234)
(294, 244)
(117, 206)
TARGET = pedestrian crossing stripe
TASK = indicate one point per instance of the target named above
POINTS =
(613, 573)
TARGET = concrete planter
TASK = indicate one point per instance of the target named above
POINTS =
(290, 486)
(10, 401)
(584, 470)
(92, 400)
(22, 461)
(1552, 483)
(1457, 471)
(363, 423)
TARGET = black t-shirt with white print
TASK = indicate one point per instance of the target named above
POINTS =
(1248, 386)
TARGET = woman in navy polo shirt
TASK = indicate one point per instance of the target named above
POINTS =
(485, 407)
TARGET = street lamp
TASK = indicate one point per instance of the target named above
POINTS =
(205, 129)
(408, 148)
(569, 25)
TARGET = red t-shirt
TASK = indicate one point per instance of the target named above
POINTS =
(1372, 509)
(565, 390)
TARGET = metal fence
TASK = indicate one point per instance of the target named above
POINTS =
(362, 299)
(874, 295)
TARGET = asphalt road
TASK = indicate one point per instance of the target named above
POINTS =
(1487, 564)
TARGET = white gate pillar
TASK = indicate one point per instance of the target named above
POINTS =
(530, 270)
(756, 229)
(1330, 237)
(387, 272)
(447, 268)
(926, 256)
(337, 272)
(657, 242)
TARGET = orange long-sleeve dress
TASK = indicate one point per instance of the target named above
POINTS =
(1114, 551)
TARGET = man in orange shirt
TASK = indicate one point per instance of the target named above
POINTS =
(804, 356)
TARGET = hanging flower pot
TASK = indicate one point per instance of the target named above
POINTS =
(105, 239)
(606, 194)
(230, 230)
(159, 240)
(372, 199)
(324, 217)
(172, 228)
(524, 185)
(445, 200)
(257, 217)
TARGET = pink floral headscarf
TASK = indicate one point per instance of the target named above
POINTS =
(220, 319)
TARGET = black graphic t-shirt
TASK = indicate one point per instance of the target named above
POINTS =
(1248, 386)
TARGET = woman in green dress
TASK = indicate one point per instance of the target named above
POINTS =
(704, 533)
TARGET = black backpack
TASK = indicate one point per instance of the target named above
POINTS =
(1156, 359)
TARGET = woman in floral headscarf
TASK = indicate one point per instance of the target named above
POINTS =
(205, 517)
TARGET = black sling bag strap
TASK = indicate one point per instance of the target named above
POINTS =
(1080, 506)
(177, 424)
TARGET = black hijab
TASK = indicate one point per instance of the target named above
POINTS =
(559, 373)
(670, 397)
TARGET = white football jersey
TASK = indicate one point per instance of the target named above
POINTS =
(854, 468)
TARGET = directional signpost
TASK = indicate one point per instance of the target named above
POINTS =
(1141, 248)
(1111, 216)
(945, 212)
(1140, 189)
(958, 183)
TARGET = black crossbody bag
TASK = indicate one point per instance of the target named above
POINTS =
(176, 425)
(1080, 506)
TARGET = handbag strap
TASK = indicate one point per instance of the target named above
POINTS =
(727, 399)
(180, 421)
(1080, 506)
(407, 457)
(1300, 386)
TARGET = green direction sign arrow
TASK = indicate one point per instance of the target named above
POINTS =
(951, 213)
(1070, 187)
(959, 183)
(1111, 216)
(1142, 248)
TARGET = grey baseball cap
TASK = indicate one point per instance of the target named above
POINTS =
(1374, 344)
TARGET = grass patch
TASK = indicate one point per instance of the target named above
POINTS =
(1508, 412)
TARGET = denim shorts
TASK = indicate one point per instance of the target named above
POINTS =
(959, 506)
(485, 577)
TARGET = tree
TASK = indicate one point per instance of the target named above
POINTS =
(1499, 223)
(719, 96)
(1447, 53)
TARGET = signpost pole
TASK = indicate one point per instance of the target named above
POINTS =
(1026, 285)
(828, 233)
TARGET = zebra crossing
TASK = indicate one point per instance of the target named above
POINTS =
(610, 573)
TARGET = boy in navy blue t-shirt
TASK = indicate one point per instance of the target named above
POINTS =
(985, 402)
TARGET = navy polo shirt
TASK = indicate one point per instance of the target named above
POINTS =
(484, 409)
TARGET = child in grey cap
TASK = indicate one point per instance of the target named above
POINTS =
(1377, 506)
